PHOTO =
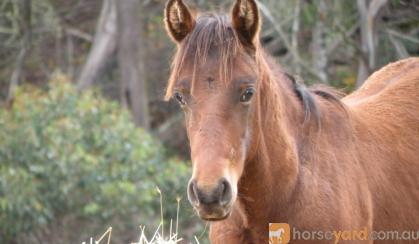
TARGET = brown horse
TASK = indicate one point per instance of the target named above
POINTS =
(265, 149)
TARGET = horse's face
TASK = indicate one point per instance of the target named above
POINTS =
(218, 95)
(218, 125)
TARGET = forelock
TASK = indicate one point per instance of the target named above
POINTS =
(212, 38)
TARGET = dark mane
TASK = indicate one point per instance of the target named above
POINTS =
(307, 97)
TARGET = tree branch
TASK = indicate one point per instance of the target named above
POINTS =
(103, 47)
(295, 31)
(287, 43)
(25, 47)
(79, 34)
(367, 18)
(403, 36)
(400, 49)
(131, 48)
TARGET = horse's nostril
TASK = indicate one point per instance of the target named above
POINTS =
(219, 195)
(193, 193)
(223, 188)
(226, 193)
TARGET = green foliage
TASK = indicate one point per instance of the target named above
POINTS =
(64, 152)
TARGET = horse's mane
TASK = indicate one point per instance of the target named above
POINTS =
(214, 37)
(307, 96)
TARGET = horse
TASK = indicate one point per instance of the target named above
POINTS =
(267, 149)
(276, 235)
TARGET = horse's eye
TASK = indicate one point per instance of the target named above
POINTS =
(178, 96)
(247, 95)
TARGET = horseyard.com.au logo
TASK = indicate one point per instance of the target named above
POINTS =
(279, 233)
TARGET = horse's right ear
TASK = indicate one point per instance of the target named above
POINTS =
(178, 19)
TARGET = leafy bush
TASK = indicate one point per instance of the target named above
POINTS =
(68, 153)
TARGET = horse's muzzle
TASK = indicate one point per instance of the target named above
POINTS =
(211, 203)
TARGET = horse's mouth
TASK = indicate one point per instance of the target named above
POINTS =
(216, 214)
(216, 219)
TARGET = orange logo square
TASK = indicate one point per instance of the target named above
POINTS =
(279, 233)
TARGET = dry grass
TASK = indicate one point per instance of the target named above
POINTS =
(159, 236)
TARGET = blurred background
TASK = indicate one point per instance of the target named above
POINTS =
(85, 137)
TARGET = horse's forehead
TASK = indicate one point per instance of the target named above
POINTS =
(211, 75)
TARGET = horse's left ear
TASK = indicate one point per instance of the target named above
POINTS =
(179, 20)
(246, 21)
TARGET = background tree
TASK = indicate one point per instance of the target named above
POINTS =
(131, 55)
(368, 13)
(104, 45)
(26, 33)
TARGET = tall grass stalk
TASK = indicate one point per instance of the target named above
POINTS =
(158, 236)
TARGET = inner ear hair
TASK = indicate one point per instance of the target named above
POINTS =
(245, 18)
(178, 19)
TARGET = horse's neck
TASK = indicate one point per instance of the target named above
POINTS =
(270, 176)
